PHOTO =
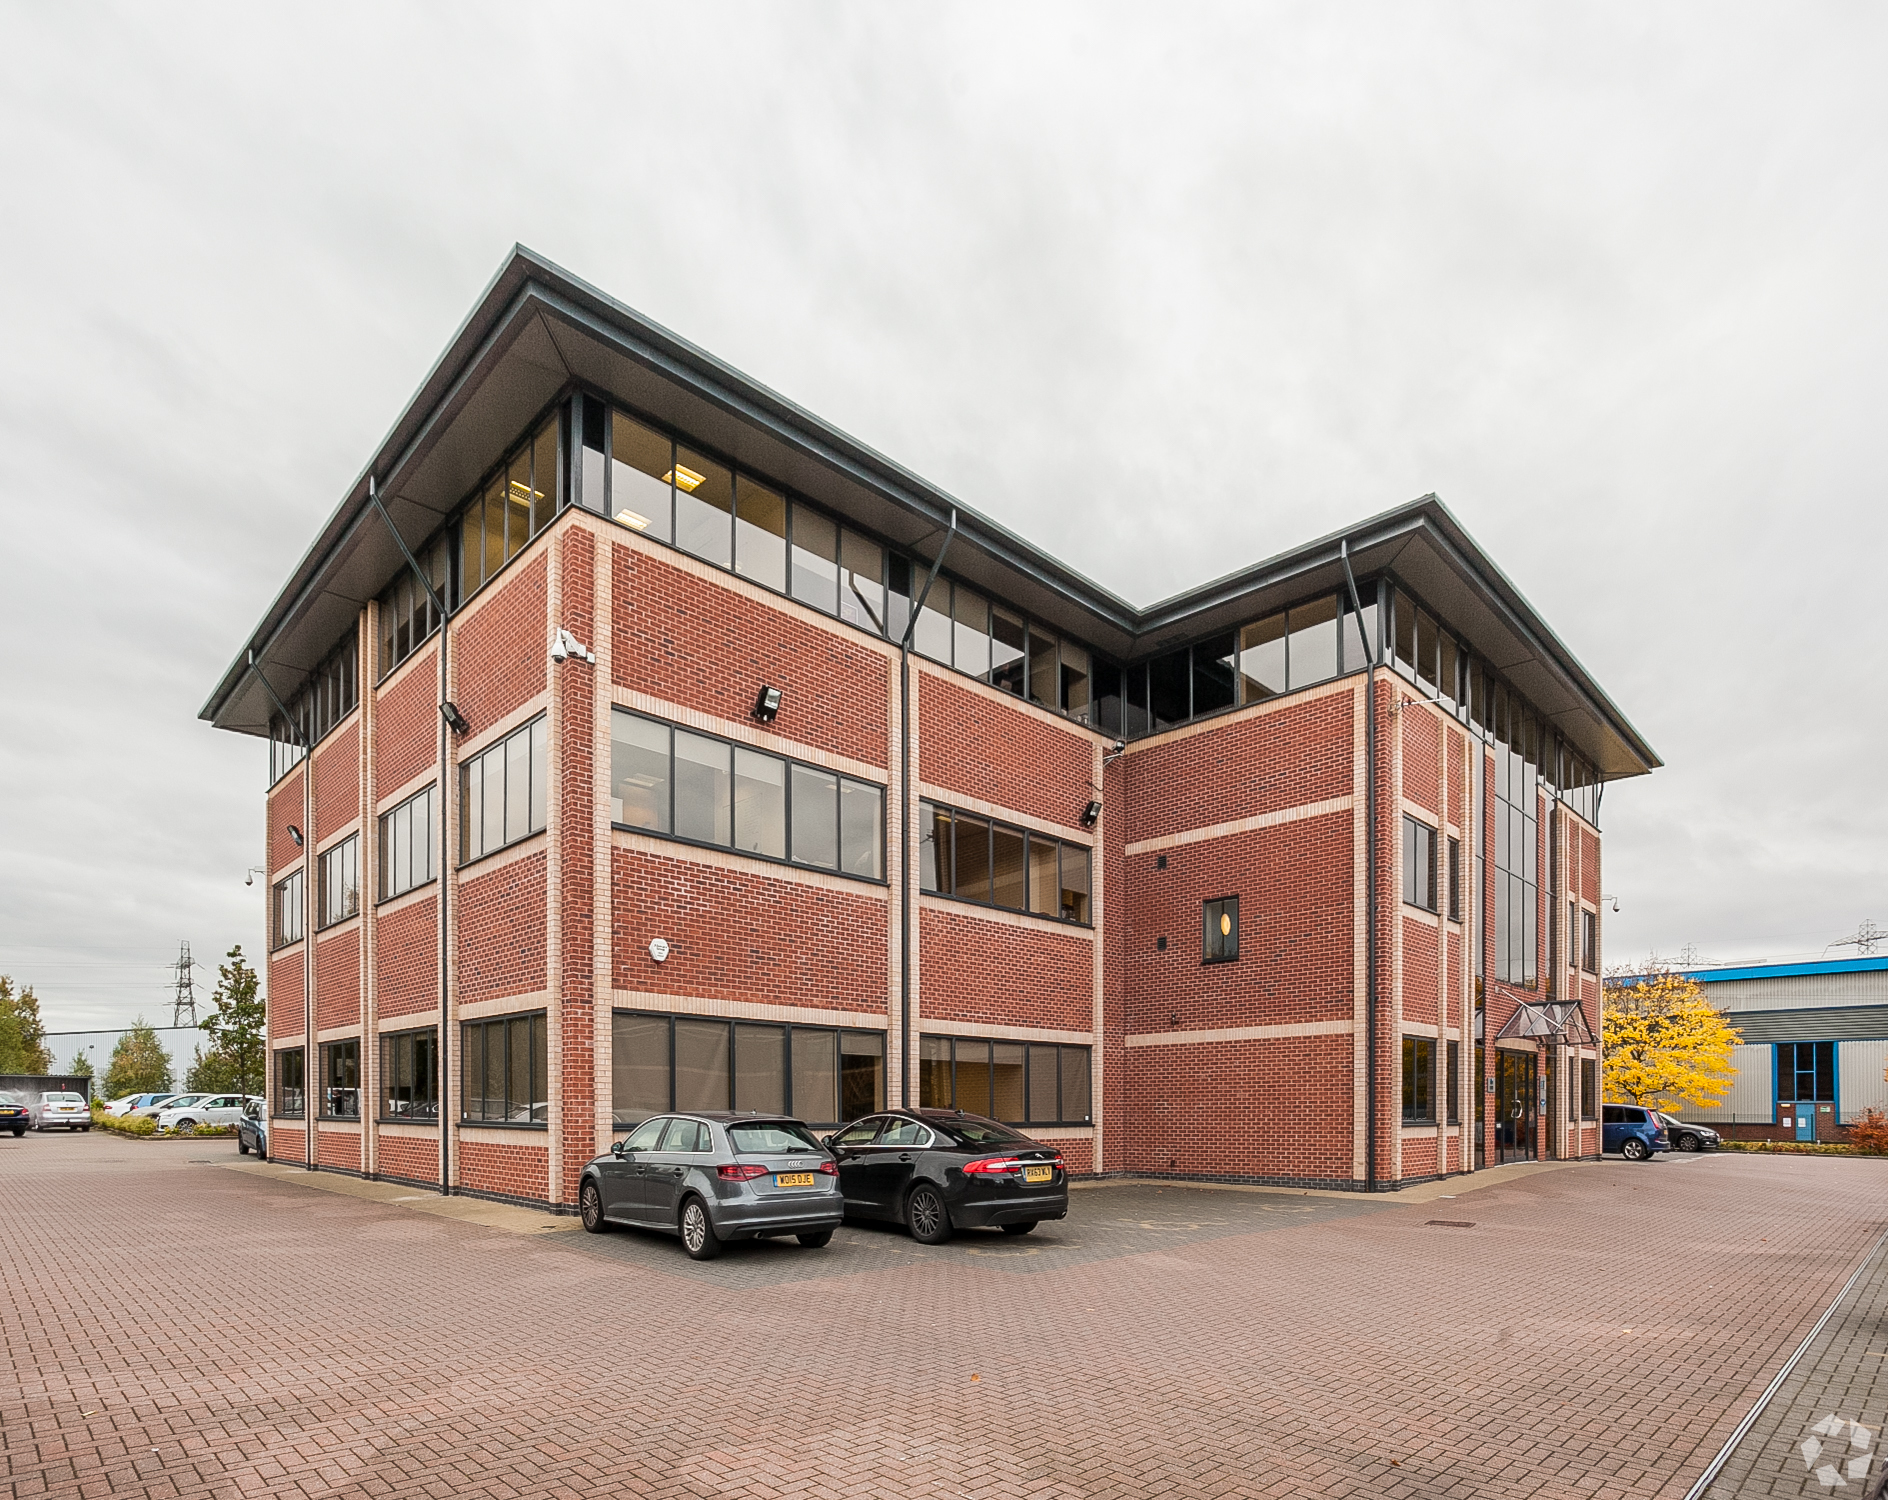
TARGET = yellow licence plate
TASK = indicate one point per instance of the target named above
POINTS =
(1038, 1174)
(793, 1179)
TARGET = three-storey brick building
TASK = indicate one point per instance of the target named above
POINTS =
(639, 741)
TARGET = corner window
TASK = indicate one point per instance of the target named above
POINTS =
(340, 879)
(823, 1075)
(680, 784)
(1453, 1087)
(502, 792)
(406, 845)
(1219, 931)
(1455, 880)
(341, 1080)
(974, 858)
(1018, 1083)
(323, 701)
(409, 1076)
(286, 899)
(504, 1078)
(407, 616)
(516, 503)
(290, 1070)
(1419, 1080)
(1419, 864)
(1590, 941)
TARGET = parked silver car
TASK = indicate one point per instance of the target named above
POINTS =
(132, 1102)
(61, 1107)
(159, 1103)
(715, 1177)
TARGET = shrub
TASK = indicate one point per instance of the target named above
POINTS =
(138, 1125)
(1870, 1132)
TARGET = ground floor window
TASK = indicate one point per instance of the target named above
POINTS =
(823, 1075)
(290, 1067)
(409, 1075)
(1419, 1080)
(1806, 1072)
(341, 1080)
(1019, 1083)
(505, 1079)
(1589, 1088)
(1455, 1083)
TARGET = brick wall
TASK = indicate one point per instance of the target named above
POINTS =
(285, 807)
(406, 722)
(338, 978)
(517, 1171)
(338, 779)
(501, 929)
(415, 1158)
(978, 970)
(406, 958)
(339, 1149)
(502, 651)
(287, 1015)
(979, 745)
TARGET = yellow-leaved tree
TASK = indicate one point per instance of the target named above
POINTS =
(1665, 1046)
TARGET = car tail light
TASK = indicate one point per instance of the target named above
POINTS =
(741, 1171)
(827, 1168)
(992, 1166)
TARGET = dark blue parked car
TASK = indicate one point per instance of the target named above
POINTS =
(1633, 1131)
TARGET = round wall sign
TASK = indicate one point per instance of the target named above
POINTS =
(658, 949)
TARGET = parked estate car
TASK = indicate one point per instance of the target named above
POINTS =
(204, 1109)
(252, 1130)
(715, 1177)
(161, 1102)
(1690, 1137)
(14, 1114)
(1633, 1131)
(61, 1107)
(938, 1170)
(131, 1102)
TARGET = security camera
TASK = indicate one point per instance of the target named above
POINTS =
(1119, 746)
(559, 653)
(565, 645)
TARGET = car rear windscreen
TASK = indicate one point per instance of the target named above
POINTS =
(983, 1133)
(763, 1137)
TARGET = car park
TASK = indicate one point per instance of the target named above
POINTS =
(204, 1109)
(1690, 1137)
(937, 1171)
(131, 1102)
(57, 1107)
(161, 1102)
(252, 1130)
(14, 1114)
(714, 1177)
(1632, 1130)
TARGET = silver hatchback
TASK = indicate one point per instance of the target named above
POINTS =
(715, 1177)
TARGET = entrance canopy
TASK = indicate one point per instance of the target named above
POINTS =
(1553, 1020)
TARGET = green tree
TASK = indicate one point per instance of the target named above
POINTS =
(211, 1072)
(237, 1028)
(22, 1034)
(139, 1063)
(80, 1066)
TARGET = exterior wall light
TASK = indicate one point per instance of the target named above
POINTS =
(767, 705)
(565, 645)
(1090, 813)
(457, 721)
(296, 834)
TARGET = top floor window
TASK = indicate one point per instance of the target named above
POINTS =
(502, 792)
(323, 701)
(516, 503)
(407, 615)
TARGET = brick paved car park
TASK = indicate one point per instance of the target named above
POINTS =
(174, 1328)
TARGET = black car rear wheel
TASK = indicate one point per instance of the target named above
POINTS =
(242, 1146)
(1687, 1143)
(590, 1209)
(1634, 1149)
(926, 1216)
(818, 1240)
(698, 1231)
(1022, 1228)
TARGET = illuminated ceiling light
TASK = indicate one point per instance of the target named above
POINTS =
(526, 491)
(1225, 924)
(633, 521)
(687, 479)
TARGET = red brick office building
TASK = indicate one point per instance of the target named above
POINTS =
(639, 741)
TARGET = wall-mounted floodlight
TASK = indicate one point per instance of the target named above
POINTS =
(1090, 813)
(296, 834)
(767, 705)
(564, 646)
(454, 719)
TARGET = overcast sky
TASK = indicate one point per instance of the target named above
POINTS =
(1164, 289)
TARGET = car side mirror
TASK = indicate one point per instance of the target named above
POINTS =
(616, 1149)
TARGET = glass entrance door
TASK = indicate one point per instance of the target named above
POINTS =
(1516, 1106)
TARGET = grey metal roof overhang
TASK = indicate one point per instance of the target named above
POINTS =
(537, 328)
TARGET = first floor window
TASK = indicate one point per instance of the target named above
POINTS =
(1219, 930)
(1455, 880)
(502, 792)
(1455, 1083)
(289, 1071)
(505, 1074)
(409, 1075)
(1019, 1083)
(1590, 941)
(287, 902)
(1419, 1080)
(340, 877)
(823, 1075)
(341, 1080)
(977, 859)
(1589, 1088)
(1806, 1072)
(1419, 864)
(406, 845)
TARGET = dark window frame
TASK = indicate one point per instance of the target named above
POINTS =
(284, 1087)
(537, 1068)
(1419, 864)
(1218, 947)
(1452, 1085)
(497, 748)
(1589, 1088)
(1030, 1050)
(339, 1059)
(1821, 1070)
(327, 696)
(325, 915)
(281, 906)
(790, 1029)
(1589, 941)
(1419, 1080)
(383, 884)
(425, 1110)
(927, 815)
(1455, 879)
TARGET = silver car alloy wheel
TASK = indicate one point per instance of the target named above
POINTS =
(694, 1225)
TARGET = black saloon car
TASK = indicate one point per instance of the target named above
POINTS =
(1690, 1137)
(937, 1170)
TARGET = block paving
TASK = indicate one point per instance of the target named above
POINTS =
(174, 1329)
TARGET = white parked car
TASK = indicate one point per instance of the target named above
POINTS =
(62, 1108)
(161, 1102)
(130, 1102)
(204, 1109)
